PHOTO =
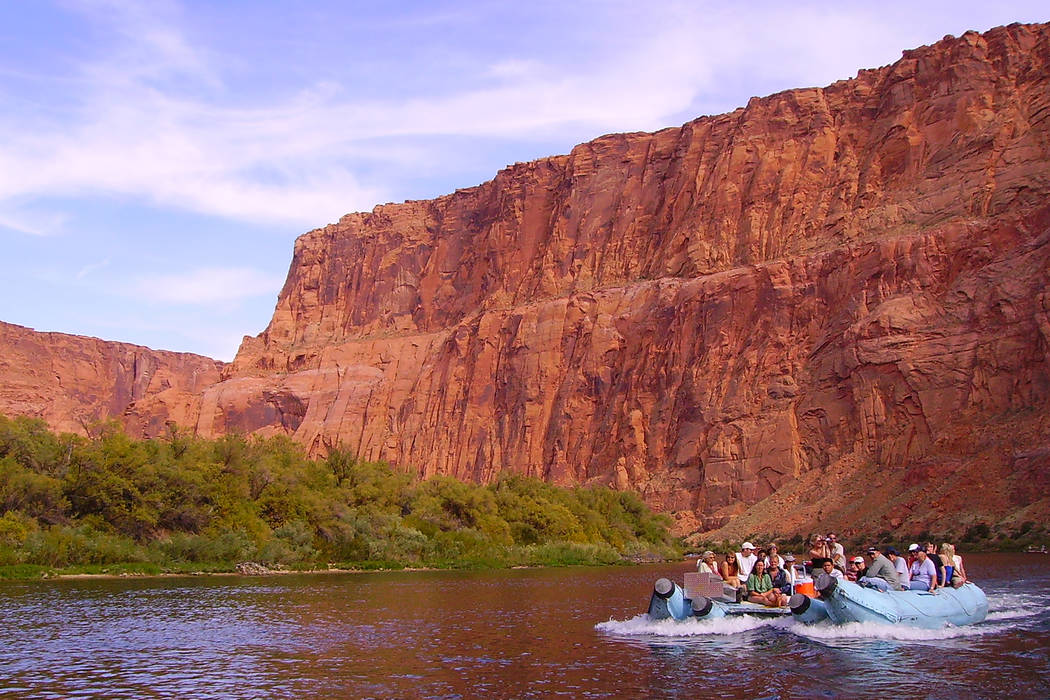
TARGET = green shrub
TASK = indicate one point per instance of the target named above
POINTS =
(187, 504)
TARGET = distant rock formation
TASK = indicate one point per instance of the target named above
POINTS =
(832, 303)
(72, 381)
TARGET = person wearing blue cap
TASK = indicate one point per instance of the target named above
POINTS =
(901, 566)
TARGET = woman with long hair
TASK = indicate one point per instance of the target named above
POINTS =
(818, 551)
(950, 558)
(730, 570)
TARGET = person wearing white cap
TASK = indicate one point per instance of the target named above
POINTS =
(913, 549)
(746, 559)
(789, 569)
(855, 569)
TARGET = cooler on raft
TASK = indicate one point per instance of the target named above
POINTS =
(805, 587)
(804, 583)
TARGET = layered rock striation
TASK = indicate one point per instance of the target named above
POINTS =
(819, 303)
(73, 382)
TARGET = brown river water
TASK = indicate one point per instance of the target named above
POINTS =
(538, 633)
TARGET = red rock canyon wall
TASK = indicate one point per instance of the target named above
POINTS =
(843, 286)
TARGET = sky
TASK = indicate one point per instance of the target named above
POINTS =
(158, 159)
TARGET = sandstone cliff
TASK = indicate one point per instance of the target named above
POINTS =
(72, 381)
(805, 312)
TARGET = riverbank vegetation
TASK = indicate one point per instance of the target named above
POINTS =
(110, 504)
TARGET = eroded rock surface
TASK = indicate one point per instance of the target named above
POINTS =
(73, 381)
(822, 303)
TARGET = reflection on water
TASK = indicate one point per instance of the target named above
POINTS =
(532, 633)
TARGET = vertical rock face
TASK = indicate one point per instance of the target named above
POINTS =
(71, 381)
(826, 281)
(828, 299)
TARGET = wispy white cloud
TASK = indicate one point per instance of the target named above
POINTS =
(27, 220)
(158, 121)
(207, 285)
(144, 112)
(93, 267)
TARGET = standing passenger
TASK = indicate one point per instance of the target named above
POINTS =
(818, 551)
(838, 553)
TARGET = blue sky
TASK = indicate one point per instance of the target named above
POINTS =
(158, 159)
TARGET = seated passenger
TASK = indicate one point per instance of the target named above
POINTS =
(901, 567)
(931, 554)
(830, 569)
(745, 559)
(780, 580)
(789, 569)
(760, 588)
(773, 555)
(881, 574)
(913, 550)
(958, 576)
(855, 569)
(730, 571)
(707, 564)
(923, 573)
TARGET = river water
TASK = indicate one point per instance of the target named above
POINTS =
(535, 633)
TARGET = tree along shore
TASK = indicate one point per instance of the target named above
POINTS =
(108, 504)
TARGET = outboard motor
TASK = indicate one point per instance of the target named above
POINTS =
(825, 585)
(806, 609)
(668, 600)
(702, 606)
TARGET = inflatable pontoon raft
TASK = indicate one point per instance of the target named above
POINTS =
(841, 602)
(838, 602)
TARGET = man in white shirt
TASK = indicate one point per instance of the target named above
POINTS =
(746, 559)
(830, 569)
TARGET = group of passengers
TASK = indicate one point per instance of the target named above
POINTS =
(765, 577)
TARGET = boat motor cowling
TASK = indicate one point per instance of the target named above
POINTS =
(702, 606)
(664, 587)
(806, 609)
(825, 585)
(668, 600)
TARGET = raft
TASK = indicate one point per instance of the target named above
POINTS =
(671, 601)
(839, 602)
(842, 602)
